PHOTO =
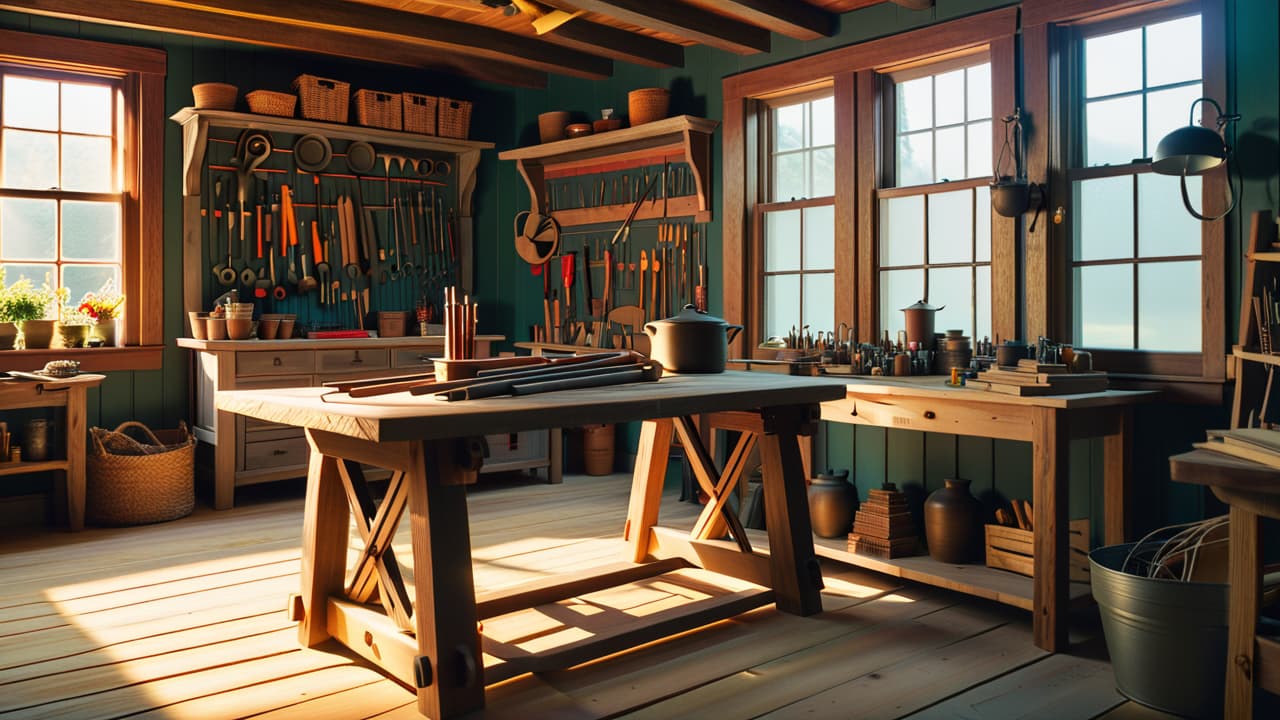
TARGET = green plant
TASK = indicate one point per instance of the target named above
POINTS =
(23, 301)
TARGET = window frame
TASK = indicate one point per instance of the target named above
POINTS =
(141, 74)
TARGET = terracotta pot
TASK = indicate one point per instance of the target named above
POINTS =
(8, 335)
(73, 336)
(37, 333)
(691, 341)
(551, 125)
(106, 329)
(953, 523)
(832, 503)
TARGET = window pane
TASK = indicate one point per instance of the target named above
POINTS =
(819, 238)
(30, 103)
(949, 96)
(898, 289)
(982, 228)
(788, 177)
(788, 127)
(951, 227)
(902, 231)
(819, 302)
(823, 113)
(979, 92)
(36, 273)
(1168, 110)
(1104, 306)
(86, 109)
(824, 172)
(1113, 63)
(982, 291)
(1114, 131)
(1168, 306)
(1104, 218)
(781, 304)
(915, 159)
(81, 279)
(1163, 227)
(30, 160)
(86, 163)
(979, 149)
(952, 288)
(915, 104)
(28, 229)
(90, 231)
(782, 241)
(1173, 52)
(950, 155)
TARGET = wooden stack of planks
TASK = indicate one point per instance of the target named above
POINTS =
(883, 526)
(1036, 378)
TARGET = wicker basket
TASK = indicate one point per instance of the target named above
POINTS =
(215, 96)
(647, 104)
(420, 113)
(322, 99)
(455, 118)
(379, 109)
(270, 102)
(131, 482)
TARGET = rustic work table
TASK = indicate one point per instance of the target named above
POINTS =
(1252, 490)
(69, 393)
(1049, 423)
(431, 448)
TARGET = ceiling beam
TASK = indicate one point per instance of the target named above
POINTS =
(798, 20)
(255, 31)
(687, 21)
(385, 24)
(618, 44)
(914, 4)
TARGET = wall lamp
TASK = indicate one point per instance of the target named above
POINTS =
(1195, 150)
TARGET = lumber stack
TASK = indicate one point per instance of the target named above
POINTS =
(883, 526)
(1036, 378)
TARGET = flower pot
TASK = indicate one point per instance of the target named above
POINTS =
(37, 333)
(953, 523)
(832, 503)
(106, 329)
(73, 336)
(8, 335)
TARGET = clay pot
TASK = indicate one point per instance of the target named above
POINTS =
(8, 335)
(37, 333)
(832, 503)
(919, 319)
(953, 523)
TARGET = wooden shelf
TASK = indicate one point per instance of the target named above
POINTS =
(19, 468)
(683, 137)
(1266, 256)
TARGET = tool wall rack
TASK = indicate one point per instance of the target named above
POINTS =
(438, 248)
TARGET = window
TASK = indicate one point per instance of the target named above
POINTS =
(934, 211)
(61, 205)
(797, 225)
(1136, 263)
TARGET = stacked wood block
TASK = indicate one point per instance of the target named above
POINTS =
(883, 526)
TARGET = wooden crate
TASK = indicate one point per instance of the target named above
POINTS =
(1010, 548)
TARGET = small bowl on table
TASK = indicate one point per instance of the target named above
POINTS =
(574, 130)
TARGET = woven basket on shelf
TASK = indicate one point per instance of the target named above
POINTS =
(322, 99)
(270, 102)
(130, 482)
(647, 104)
(379, 109)
(215, 96)
(454, 118)
(419, 113)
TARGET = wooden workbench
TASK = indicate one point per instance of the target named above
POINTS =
(1049, 423)
(431, 448)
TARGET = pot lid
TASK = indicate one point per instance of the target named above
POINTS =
(312, 153)
(691, 315)
(360, 157)
(922, 305)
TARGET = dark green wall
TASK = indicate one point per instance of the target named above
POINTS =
(511, 295)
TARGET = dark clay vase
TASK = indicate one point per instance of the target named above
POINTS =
(953, 523)
(832, 502)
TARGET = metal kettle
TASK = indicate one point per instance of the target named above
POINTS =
(691, 341)
(919, 318)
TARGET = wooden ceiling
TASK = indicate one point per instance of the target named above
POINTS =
(513, 42)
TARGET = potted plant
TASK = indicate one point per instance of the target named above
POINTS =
(73, 326)
(28, 307)
(103, 308)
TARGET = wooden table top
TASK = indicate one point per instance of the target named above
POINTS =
(1206, 467)
(401, 416)
(935, 386)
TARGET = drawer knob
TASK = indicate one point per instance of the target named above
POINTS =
(278, 451)
(276, 361)
(357, 358)
(929, 415)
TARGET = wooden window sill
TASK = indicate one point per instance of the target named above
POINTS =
(148, 357)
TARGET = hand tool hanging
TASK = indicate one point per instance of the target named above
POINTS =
(632, 215)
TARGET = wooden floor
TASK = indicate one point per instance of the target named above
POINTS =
(185, 620)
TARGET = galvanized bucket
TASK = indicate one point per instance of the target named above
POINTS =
(1167, 639)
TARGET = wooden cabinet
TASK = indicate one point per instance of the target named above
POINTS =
(244, 451)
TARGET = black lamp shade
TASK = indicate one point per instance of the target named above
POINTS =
(1189, 150)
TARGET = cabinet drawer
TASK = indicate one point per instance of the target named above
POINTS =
(525, 446)
(275, 453)
(288, 362)
(353, 359)
(421, 357)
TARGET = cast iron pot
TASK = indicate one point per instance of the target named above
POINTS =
(691, 341)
